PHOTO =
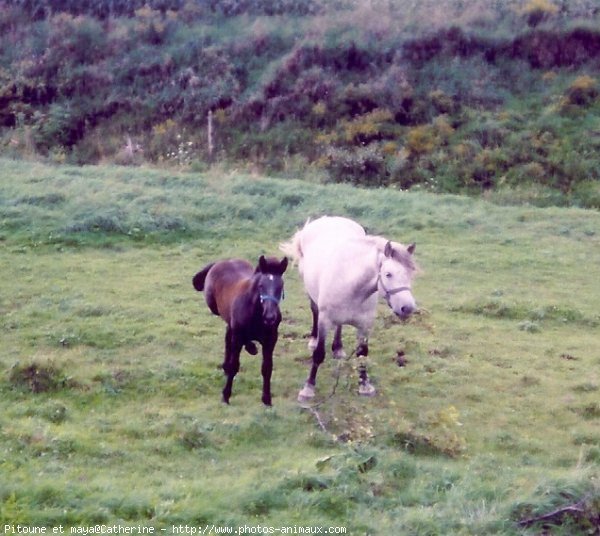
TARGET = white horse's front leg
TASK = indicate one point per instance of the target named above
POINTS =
(365, 387)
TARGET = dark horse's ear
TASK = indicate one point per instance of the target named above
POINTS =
(262, 264)
(411, 248)
(389, 250)
(283, 265)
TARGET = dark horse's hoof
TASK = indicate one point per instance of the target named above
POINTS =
(251, 348)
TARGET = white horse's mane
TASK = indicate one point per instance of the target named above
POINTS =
(399, 251)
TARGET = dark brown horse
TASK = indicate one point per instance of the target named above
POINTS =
(247, 299)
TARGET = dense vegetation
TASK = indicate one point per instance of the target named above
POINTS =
(463, 95)
(110, 383)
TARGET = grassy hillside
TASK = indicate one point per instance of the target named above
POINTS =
(458, 96)
(110, 405)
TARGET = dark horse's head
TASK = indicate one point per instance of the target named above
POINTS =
(269, 286)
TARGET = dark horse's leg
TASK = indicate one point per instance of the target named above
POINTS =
(231, 364)
(267, 366)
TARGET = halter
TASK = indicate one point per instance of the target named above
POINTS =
(268, 297)
(388, 293)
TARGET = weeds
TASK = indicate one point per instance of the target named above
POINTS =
(566, 508)
(436, 433)
(531, 317)
(39, 378)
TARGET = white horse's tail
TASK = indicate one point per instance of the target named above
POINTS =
(292, 248)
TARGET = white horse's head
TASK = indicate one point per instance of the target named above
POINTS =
(395, 278)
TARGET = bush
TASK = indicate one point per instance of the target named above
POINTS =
(535, 11)
(60, 127)
(421, 140)
(587, 194)
(527, 173)
(583, 91)
(75, 40)
(367, 128)
(362, 166)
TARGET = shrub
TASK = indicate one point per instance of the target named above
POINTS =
(61, 126)
(442, 103)
(527, 173)
(583, 91)
(487, 167)
(171, 143)
(535, 11)
(489, 133)
(362, 165)
(367, 127)
(152, 26)
(75, 40)
(420, 140)
(587, 194)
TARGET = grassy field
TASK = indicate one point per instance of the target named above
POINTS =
(110, 407)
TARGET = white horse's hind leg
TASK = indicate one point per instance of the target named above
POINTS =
(337, 346)
(307, 393)
(312, 342)
(340, 354)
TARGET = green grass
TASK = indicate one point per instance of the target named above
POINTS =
(493, 420)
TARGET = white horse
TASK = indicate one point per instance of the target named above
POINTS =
(344, 271)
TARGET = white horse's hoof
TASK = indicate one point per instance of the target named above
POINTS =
(306, 394)
(366, 389)
(312, 343)
(340, 354)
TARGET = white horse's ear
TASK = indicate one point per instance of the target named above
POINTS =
(411, 248)
(389, 250)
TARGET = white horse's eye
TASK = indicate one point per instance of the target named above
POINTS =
(388, 275)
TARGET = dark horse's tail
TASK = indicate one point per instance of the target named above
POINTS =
(200, 277)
